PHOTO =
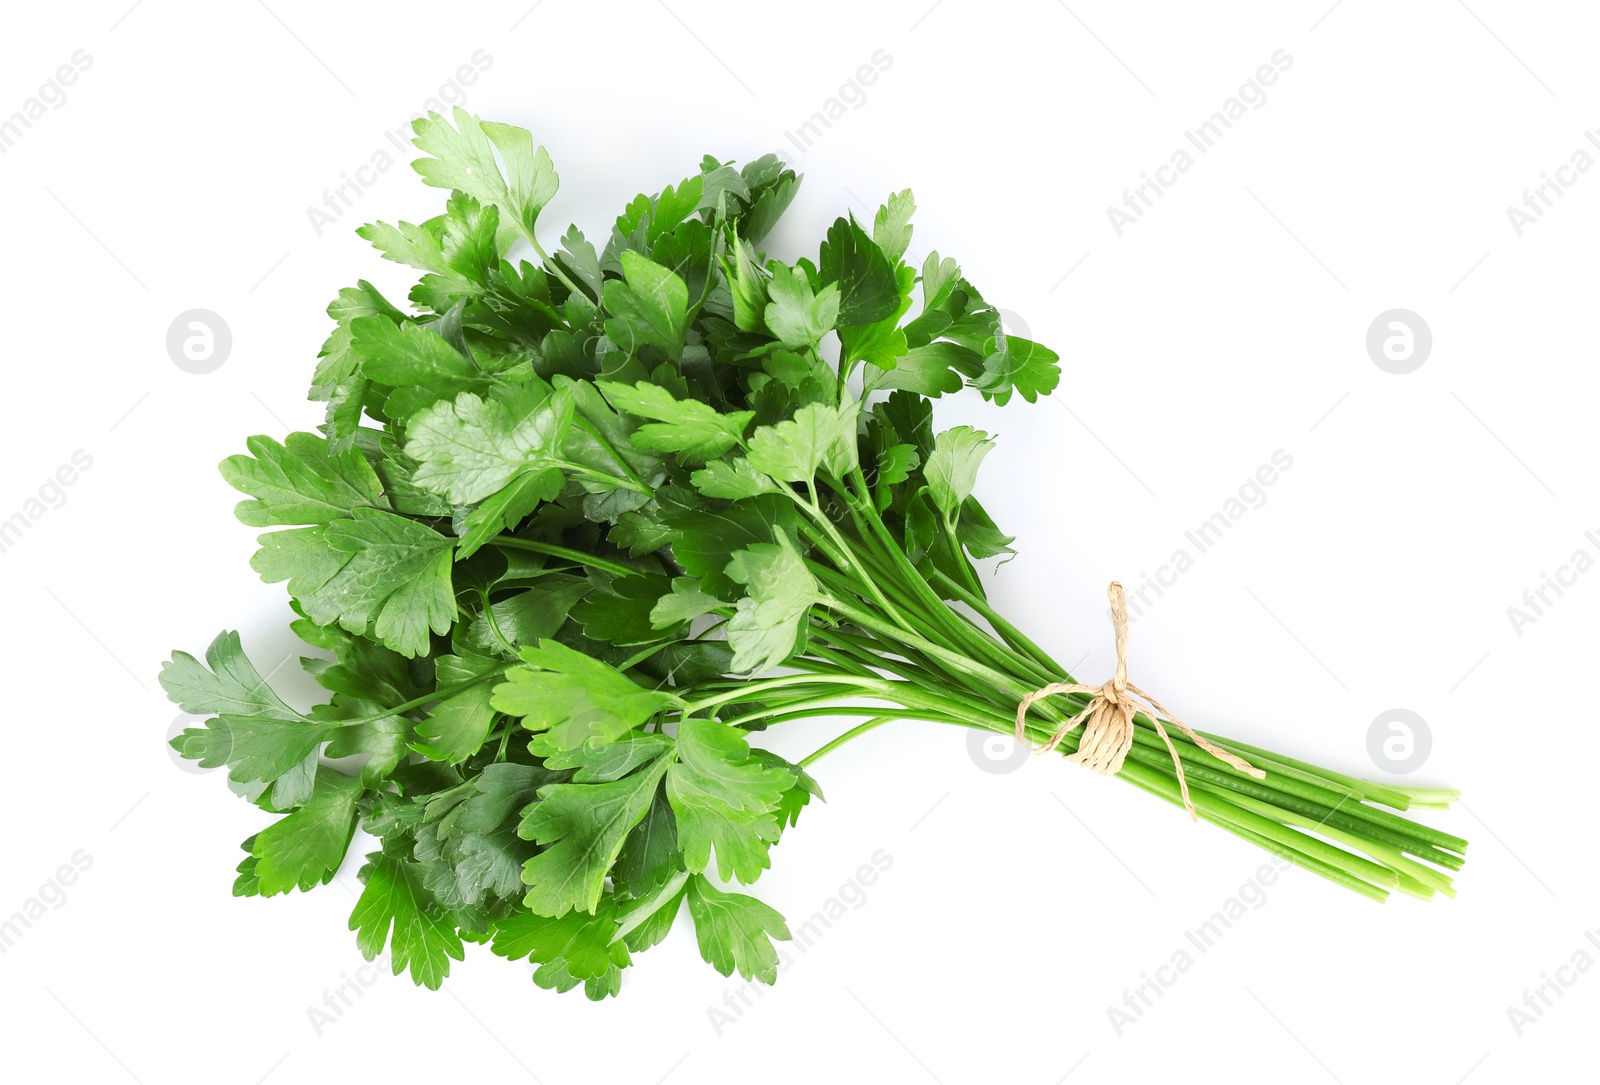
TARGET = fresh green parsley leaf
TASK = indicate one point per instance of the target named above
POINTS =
(648, 307)
(255, 748)
(231, 687)
(621, 611)
(601, 437)
(933, 370)
(896, 464)
(685, 602)
(304, 849)
(715, 765)
(649, 856)
(639, 533)
(411, 355)
(891, 227)
(574, 948)
(423, 939)
(464, 159)
(472, 448)
(725, 800)
(979, 534)
(404, 243)
(360, 668)
(337, 363)
(732, 479)
(646, 920)
(735, 931)
(582, 828)
(1020, 365)
(799, 795)
(254, 733)
(576, 698)
(603, 764)
(796, 315)
(747, 288)
(770, 620)
(490, 864)
(472, 243)
(693, 430)
(503, 788)
(302, 481)
(371, 732)
(577, 255)
(705, 538)
(952, 470)
(868, 291)
(374, 570)
(457, 726)
(794, 451)
(528, 617)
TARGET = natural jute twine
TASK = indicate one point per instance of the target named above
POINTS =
(1108, 717)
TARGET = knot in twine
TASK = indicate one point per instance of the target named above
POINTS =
(1107, 719)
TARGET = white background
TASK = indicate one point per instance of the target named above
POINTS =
(1226, 324)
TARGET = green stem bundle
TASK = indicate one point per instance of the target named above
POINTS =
(883, 615)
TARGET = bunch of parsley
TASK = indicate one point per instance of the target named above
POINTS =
(573, 529)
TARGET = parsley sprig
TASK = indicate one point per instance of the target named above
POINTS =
(574, 531)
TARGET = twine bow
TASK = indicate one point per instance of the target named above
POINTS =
(1108, 717)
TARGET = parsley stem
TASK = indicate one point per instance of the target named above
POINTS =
(944, 655)
(869, 659)
(859, 729)
(834, 659)
(1010, 633)
(441, 694)
(719, 243)
(494, 623)
(966, 634)
(932, 672)
(628, 483)
(511, 542)
(890, 576)
(844, 557)
(594, 434)
(859, 501)
(744, 689)
(857, 496)
(642, 655)
(550, 265)
(962, 563)
(827, 709)
(1375, 792)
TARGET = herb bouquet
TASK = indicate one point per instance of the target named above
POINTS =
(575, 528)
